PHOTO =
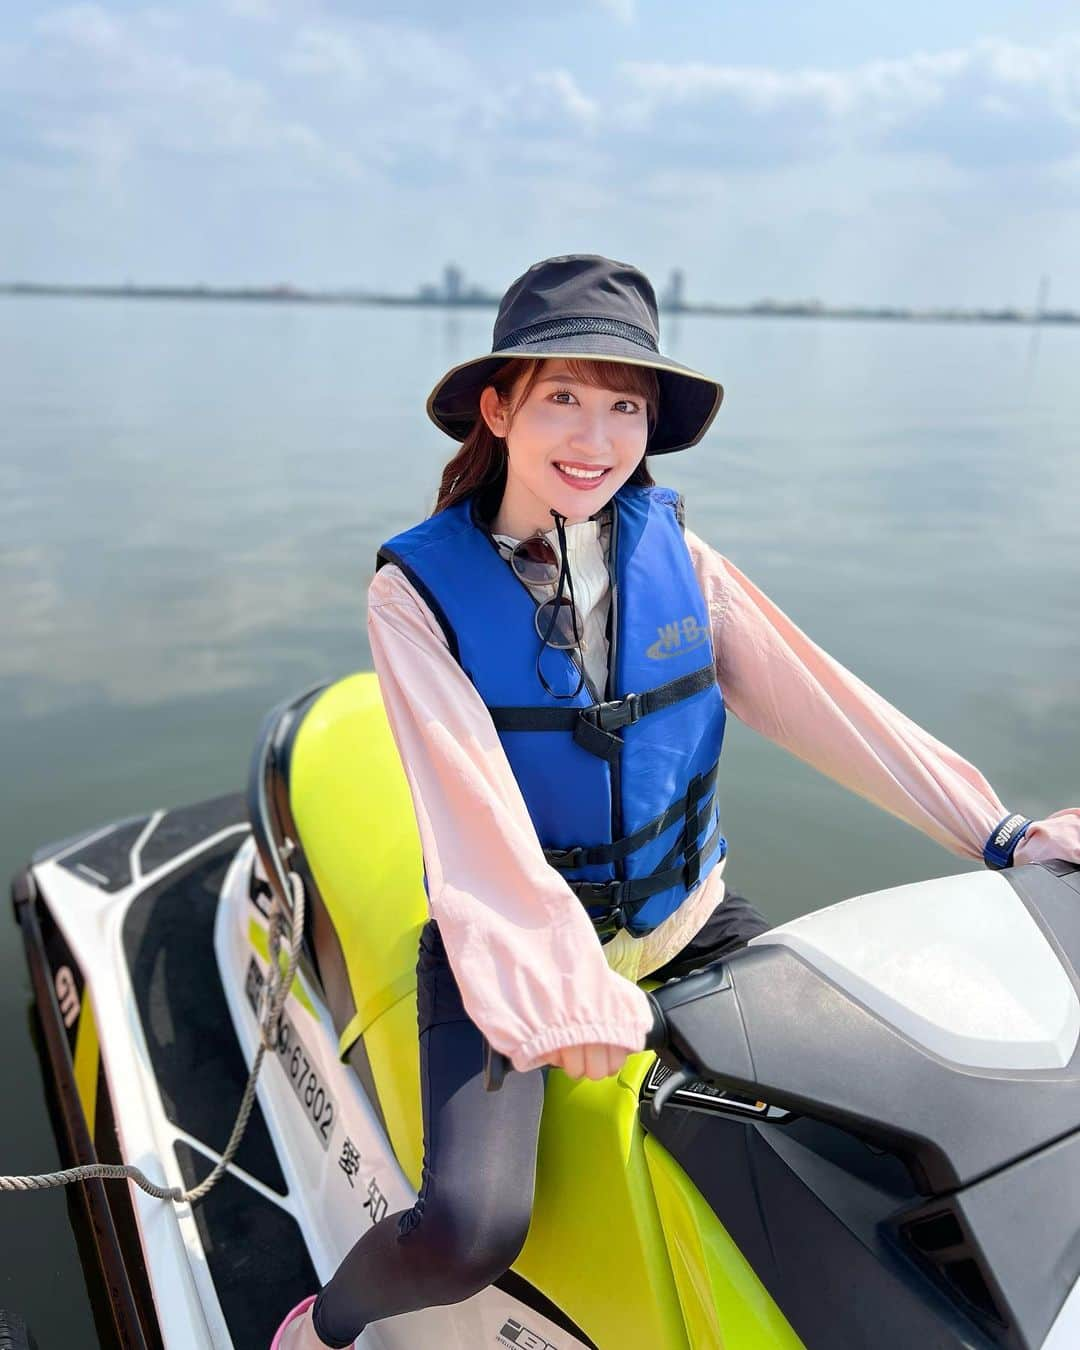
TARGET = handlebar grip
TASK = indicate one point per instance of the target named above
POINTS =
(656, 1038)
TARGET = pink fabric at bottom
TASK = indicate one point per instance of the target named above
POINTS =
(291, 1316)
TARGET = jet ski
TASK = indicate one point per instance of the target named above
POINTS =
(861, 1130)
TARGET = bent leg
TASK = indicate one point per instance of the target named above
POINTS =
(472, 1215)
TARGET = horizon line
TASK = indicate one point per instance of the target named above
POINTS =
(428, 297)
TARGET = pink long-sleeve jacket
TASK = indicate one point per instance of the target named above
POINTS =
(532, 972)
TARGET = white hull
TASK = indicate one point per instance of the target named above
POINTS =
(340, 1172)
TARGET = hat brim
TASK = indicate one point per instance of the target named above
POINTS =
(688, 400)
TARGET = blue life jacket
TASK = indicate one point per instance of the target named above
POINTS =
(620, 783)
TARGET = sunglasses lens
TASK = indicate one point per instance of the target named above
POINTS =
(563, 634)
(534, 561)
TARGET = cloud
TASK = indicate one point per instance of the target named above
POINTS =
(324, 51)
(368, 56)
(175, 140)
(111, 89)
(425, 108)
(262, 10)
(978, 106)
(414, 100)
(623, 10)
(553, 97)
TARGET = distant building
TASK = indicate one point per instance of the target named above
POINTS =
(674, 296)
(452, 282)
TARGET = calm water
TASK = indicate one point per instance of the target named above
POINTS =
(190, 501)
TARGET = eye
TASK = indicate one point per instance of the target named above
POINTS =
(634, 406)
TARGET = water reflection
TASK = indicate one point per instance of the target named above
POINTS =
(195, 494)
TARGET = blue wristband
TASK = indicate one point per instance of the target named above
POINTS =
(1004, 837)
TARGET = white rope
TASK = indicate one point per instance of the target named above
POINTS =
(271, 1003)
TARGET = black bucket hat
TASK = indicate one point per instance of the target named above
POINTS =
(591, 308)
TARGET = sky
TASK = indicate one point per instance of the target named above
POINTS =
(915, 154)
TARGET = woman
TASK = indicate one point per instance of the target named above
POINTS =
(556, 655)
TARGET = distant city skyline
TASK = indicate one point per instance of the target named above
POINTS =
(453, 288)
(672, 296)
(914, 155)
(453, 291)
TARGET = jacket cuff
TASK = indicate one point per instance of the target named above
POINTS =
(532, 1053)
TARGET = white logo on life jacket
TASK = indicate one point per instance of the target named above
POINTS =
(675, 638)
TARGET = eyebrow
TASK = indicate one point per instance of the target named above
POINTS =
(569, 379)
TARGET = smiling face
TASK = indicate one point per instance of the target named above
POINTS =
(570, 447)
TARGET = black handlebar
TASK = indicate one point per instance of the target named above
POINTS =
(656, 1038)
(701, 1031)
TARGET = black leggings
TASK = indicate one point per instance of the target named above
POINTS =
(471, 1217)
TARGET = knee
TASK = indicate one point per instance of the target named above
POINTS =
(473, 1250)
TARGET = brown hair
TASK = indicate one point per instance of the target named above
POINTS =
(480, 464)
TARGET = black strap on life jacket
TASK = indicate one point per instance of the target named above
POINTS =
(587, 855)
(625, 898)
(594, 727)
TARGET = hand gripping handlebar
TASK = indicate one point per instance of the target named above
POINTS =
(497, 1066)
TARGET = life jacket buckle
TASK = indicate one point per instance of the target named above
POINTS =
(595, 892)
(614, 918)
(607, 925)
(567, 858)
(620, 712)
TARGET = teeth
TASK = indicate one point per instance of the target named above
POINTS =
(581, 473)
